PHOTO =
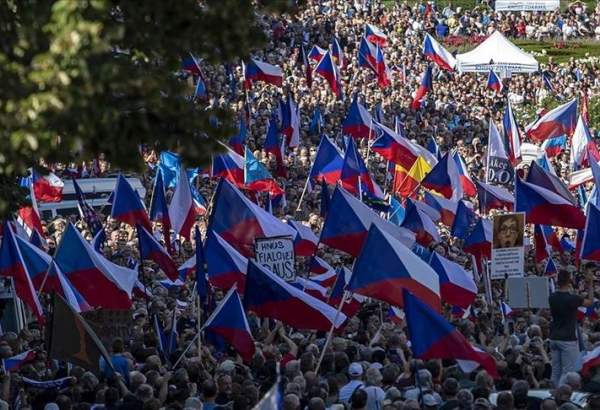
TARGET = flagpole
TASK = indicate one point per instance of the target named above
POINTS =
(303, 192)
(369, 144)
(199, 326)
(330, 335)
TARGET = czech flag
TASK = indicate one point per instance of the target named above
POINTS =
(182, 211)
(316, 53)
(421, 224)
(444, 178)
(456, 285)
(67, 290)
(511, 134)
(590, 360)
(12, 265)
(47, 188)
(101, 282)
(355, 175)
(430, 211)
(398, 149)
(268, 295)
(446, 207)
(36, 261)
(159, 211)
(127, 206)
(557, 122)
(230, 166)
(425, 87)
(238, 141)
(256, 70)
(320, 267)
(29, 215)
(436, 53)
(555, 145)
(14, 363)
(382, 70)
(464, 220)
(493, 197)
(542, 248)
(582, 145)
(337, 53)
(273, 145)
(432, 337)
(328, 163)
(229, 321)
(352, 302)
(367, 54)
(257, 178)
(239, 221)
(550, 268)
(545, 207)
(347, 227)
(494, 83)
(396, 316)
(327, 69)
(385, 267)
(359, 122)
(151, 249)
(468, 185)
(590, 247)
(187, 268)
(375, 35)
(305, 241)
(545, 179)
(290, 121)
(191, 65)
(312, 288)
(479, 241)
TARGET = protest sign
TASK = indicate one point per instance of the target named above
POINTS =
(508, 254)
(277, 255)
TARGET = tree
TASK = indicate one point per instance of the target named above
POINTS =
(89, 77)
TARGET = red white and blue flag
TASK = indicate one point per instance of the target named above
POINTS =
(151, 249)
(583, 148)
(444, 178)
(226, 266)
(468, 185)
(267, 295)
(14, 363)
(47, 188)
(229, 322)
(327, 165)
(375, 35)
(511, 134)
(127, 206)
(457, 287)
(327, 69)
(425, 87)
(337, 53)
(494, 82)
(493, 197)
(256, 70)
(559, 121)
(555, 146)
(358, 122)
(182, 210)
(436, 53)
(385, 267)
(590, 246)
(432, 337)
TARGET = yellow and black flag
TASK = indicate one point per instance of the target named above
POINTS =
(71, 339)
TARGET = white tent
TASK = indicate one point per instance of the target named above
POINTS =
(498, 53)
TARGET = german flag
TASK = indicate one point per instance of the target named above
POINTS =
(71, 339)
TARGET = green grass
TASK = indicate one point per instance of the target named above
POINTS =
(469, 4)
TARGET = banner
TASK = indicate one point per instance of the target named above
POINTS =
(508, 252)
(527, 5)
(109, 324)
(500, 171)
(277, 255)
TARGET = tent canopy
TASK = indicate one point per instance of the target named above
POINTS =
(499, 54)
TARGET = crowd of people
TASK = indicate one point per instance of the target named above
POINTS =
(369, 363)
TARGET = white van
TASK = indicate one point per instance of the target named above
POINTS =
(95, 190)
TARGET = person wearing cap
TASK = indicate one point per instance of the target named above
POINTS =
(355, 372)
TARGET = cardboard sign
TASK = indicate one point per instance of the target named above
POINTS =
(277, 255)
(508, 252)
(528, 293)
(109, 324)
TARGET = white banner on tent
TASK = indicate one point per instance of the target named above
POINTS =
(527, 5)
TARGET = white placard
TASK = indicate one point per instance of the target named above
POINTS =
(277, 255)
(527, 5)
(508, 252)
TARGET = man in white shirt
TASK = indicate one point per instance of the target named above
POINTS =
(355, 372)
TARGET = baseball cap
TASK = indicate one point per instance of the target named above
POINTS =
(355, 369)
